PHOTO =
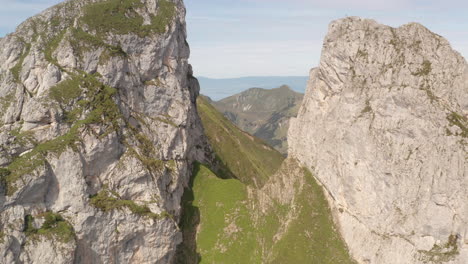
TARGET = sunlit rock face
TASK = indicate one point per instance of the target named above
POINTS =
(383, 125)
(98, 131)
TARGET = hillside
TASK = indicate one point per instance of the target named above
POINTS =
(285, 220)
(240, 155)
(263, 113)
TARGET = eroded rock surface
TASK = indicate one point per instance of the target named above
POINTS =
(383, 125)
(98, 131)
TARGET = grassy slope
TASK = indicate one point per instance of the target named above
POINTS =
(230, 231)
(225, 234)
(312, 237)
(244, 157)
(224, 219)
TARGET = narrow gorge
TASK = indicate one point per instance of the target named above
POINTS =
(109, 155)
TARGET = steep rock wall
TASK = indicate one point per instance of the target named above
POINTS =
(383, 125)
(98, 131)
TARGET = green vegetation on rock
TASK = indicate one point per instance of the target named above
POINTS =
(6, 101)
(425, 69)
(441, 253)
(66, 91)
(52, 45)
(98, 107)
(54, 226)
(107, 201)
(121, 17)
(16, 70)
(460, 121)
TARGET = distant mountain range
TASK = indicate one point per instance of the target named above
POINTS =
(264, 113)
(217, 89)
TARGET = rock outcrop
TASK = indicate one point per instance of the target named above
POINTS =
(383, 126)
(98, 131)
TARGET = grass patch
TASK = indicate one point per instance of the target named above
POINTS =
(145, 151)
(441, 253)
(4, 173)
(121, 17)
(66, 91)
(54, 226)
(426, 88)
(107, 201)
(166, 12)
(82, 42)
(5, 103)
(98, 103)
(52, 46)
(460, 121)
(16, 70)
(362, 53)
(366, 109)
(226, 233)
(23, 138)
(425, 69)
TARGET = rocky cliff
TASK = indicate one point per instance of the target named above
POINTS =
(384, 128)
(98, 131)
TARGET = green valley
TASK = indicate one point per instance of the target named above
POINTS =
(231, 218)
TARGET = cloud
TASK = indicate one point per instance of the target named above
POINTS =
(224, 60)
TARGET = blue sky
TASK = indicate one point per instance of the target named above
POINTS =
(233, 38)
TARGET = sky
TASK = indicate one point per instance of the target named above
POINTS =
(235, 38)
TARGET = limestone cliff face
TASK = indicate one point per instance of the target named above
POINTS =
(384, 127)
(98, 131)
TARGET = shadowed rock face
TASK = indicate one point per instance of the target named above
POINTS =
(98, 131)
(384, 126)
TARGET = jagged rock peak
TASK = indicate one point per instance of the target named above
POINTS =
(384, 127)
(98, 131)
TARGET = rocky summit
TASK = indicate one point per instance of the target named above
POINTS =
(383, 126)
(98, 133)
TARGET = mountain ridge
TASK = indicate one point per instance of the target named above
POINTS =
(264, 113)
(218, 89)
